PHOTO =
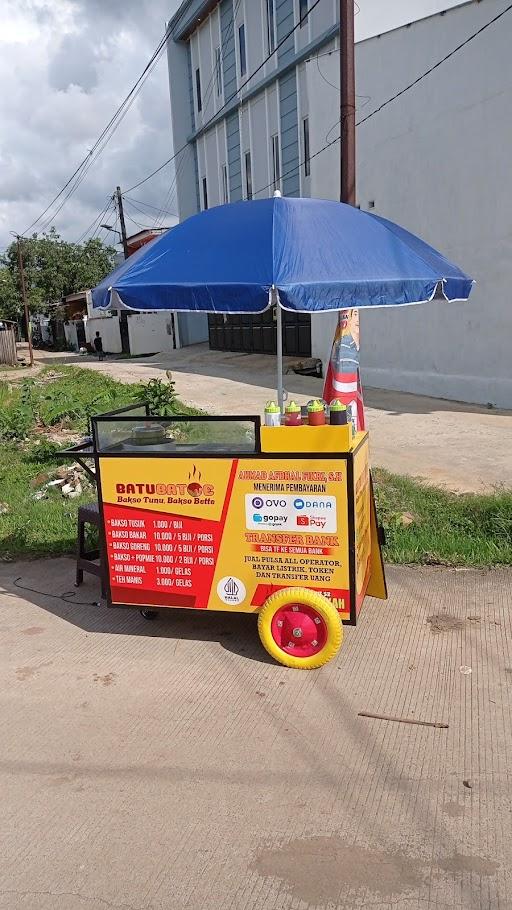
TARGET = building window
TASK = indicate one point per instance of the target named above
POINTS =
(198, 90)
(305, 140)
(224, 183)
(303, 11)
(248, 176)
(271, 29)
(205, 193)
(276, 163)
(241, 48)
(218, 71)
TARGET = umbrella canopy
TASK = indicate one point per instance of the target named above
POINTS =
(318, 255)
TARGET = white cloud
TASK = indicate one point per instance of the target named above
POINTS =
(65, 66)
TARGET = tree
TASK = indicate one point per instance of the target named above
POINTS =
(53, 269)
(9, 295)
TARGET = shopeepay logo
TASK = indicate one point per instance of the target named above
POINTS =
(178, 493)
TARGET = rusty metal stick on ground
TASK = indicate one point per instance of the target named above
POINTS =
(404, 720)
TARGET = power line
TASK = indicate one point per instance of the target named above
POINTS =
(393, 98)
(171, 197)
(436, 65)
(80, 172)
(98, 218)
(141, 226)
(94, 157)
(141, 211)
(228, 100)
(148, 205)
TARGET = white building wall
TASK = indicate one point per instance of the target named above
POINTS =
(150, 333)
(436, 161)
(108, 327)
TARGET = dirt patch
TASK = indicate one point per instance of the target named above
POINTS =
(106, 680)
(444, 622)
(477, 864)
(317, 870)
(32, 630)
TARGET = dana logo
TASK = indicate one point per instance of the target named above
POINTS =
(299, 503)
(302, 521)
(257, 518)
(231, 590)
(258, 503)
(315, 504)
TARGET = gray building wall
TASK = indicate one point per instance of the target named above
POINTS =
(436, 161)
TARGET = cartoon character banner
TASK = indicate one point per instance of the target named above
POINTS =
(343, 380)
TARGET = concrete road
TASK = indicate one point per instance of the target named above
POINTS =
(465, 448)
(171, 766)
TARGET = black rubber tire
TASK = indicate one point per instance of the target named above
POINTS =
(149, 614)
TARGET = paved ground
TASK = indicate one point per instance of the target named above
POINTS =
(170, 766)
(462, 447)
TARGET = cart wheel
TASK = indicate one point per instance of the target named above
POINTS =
(300, 628)
(149, 614)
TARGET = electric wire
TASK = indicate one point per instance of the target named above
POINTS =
(141, 211)
(66, 596)
(149, 205)
(74, 181)
(394, 97)
(438, 64)
(98, 218)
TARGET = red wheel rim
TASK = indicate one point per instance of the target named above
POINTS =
(299, 630)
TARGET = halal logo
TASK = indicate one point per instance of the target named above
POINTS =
(231, 588)
(231, 591)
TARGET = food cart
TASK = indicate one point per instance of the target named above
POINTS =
(221, 513)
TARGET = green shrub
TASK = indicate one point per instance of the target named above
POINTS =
(15, 422)
(160, 396)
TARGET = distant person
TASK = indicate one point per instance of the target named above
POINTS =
(98, 347)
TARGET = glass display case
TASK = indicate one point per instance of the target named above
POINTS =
(116, 434)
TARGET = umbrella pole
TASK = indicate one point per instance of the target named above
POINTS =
(279, 321)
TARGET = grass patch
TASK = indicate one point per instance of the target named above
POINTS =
(446, 528)
(424, 525)
(31, 528)
(37, 418)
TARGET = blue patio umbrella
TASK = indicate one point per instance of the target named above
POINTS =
(303, 255)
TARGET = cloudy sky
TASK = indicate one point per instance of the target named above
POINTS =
(65, 66)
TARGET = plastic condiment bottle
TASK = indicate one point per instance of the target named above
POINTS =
(338, 413)
(292, 416)
(316, 413)
(272, 414)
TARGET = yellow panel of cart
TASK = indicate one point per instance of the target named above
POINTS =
(225, 533)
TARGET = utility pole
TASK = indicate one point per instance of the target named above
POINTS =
(347, 104)
(24, 298)
(121, 221)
